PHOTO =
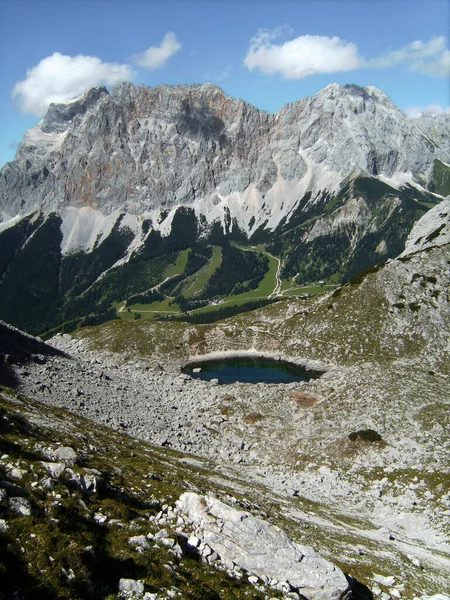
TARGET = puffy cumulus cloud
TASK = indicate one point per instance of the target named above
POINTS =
(157, 56)
(435, 109)
(303, 56)
(430, 57)
(314, 54)
(58, 78)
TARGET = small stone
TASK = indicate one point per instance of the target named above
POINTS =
(193, 541)
(65, 454)
(206, 550)
(140, 541)
(3, 525)
(130, 589)
(213, 557)
(18, 473)
(415, 561)
(99, 518)
(20, 506)
(376, 591)
(55, 469)
(253, 579)
(386, 581)
(162, 533)
(68, 574)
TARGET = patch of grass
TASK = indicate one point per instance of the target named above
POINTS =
(149, 311)
(196, 282)
(267, 284)
(303, 400)
(178, 266)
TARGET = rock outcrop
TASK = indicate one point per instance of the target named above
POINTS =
(262, 549)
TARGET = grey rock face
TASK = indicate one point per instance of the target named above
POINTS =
(433, 229)
(141, 149)
(262, 549)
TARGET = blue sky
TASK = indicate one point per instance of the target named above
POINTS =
(267, 53)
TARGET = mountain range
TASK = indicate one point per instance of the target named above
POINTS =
(110, 185)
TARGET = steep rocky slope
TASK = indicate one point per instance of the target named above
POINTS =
(103, 517)
(357, 459)
(333, 185)
(143, 149)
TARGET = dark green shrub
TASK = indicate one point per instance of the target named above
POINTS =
(366, 435)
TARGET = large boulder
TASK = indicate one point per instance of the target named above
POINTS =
(262, 549)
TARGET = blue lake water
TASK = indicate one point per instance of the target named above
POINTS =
(249, 370)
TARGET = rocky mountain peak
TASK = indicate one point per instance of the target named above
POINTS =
(60, 115)
(146, 151)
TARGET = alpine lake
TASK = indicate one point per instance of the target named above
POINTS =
(248, 370)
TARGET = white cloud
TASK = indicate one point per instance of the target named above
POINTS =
(157, 56)
(303, 56)
(58, 78)
(435, 109)
(430, 57)
(314, 54)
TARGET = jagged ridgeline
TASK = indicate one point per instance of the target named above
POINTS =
(163, 199)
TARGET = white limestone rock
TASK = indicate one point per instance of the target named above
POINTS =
(20, 505)
(262, 549)
(433, 229)
(139, 541)
(130, 589)
(55, 469)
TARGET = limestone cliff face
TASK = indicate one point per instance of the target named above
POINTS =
(332, 185)
(141, 149)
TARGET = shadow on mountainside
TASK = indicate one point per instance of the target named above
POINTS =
(359, 591)
(17, 348)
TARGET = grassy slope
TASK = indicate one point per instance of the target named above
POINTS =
(195, 283)
(147, 311)
(62, 525)
(178, 266)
